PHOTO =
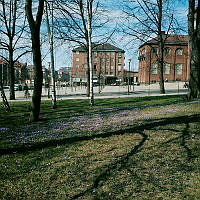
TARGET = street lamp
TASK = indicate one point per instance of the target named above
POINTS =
(129, 65)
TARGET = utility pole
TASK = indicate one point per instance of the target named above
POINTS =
(50, 36)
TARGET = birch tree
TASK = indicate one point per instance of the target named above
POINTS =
(51, 43)
(79, 22)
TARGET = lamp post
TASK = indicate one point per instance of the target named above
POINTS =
(129, 66)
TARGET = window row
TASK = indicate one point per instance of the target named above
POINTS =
(102, 67)
(167, 68)
(102, 60)
(95, 53)
(167, 51)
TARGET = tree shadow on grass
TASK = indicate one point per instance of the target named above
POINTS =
(70, 140)
(185, 134)
(123, 163)
(116, 165)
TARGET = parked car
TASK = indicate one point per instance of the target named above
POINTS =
(136, 83)
(6, 87)
(31, 87)
(18, 87)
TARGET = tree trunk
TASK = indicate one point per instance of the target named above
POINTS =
(161, 66)
(194, 48)
(194, 81)
(38, 74)
(89, 17)
(50, 36)
(161, 47)
(38, 78)
(12, 74)
(88, 74)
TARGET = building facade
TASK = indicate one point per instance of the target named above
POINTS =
(21, 72)
(64, 75)
(107, 60)
(176, 59)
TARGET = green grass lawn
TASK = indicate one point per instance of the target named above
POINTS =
(127, 148)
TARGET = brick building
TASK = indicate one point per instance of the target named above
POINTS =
(176, 60)
(108, 64)
(64, 74)
(21, 72)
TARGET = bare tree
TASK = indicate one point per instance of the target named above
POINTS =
(194, 48)
(51, 43)
(12, 20)
(79, 22)
(89, 4)
(35, 25)
(150, 19)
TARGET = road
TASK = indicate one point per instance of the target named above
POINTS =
(109, 91)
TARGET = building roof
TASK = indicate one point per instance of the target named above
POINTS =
(181, 40)
(100, 47)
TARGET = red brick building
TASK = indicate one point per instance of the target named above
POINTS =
(108, 63)
(176, 60)
(20, 72)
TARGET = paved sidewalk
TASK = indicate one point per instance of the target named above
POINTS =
(109, 91)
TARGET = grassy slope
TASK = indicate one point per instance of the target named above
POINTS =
(139, 149)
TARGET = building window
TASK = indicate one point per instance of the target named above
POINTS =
(167, 51)
(111, 67)
(95, 60)
(101, 60)
(178, 69)
(95, 68)
(143, 53)
(119, 60)
(167, 68)
(179, 52)
(95, 53)
(155, 50)
(119, 68)
(106, 59)
(154, 68)
(112, 60)
(77, 59)
(119, 54)
(113, 53)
